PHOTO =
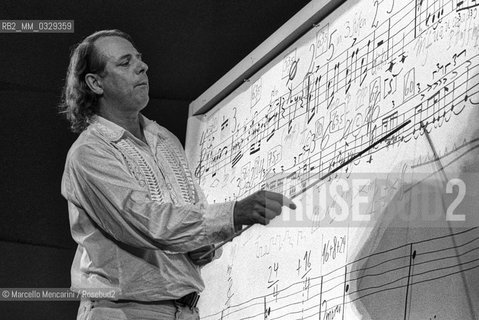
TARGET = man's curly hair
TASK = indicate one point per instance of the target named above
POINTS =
(79, 103)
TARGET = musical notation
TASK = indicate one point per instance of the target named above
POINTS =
(400, 73)
(442, 103)
(400, 268)
(434, 104)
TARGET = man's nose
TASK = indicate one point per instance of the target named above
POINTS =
(142, 66)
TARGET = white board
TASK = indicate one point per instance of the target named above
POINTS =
(390, 235)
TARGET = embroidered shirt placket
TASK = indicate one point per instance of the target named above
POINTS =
(180, 170)
(130, 150)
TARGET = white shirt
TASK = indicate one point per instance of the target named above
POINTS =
(135, 211)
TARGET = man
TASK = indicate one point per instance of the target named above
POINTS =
(141, 222)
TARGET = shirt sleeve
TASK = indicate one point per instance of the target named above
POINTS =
(100, 183)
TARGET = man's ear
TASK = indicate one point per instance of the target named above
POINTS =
(94, 83)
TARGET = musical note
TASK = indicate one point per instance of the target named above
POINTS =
(349, 73)
(224, 125)
(331, 85)
(389, 122)
(364, 64)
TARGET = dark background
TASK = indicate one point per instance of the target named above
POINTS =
(188, 45)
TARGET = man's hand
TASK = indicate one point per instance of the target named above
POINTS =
(260, 207)
(196, 254)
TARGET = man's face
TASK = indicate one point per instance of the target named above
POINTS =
(124, 83)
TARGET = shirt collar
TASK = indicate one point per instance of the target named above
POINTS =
(146, 123)
(111, 130)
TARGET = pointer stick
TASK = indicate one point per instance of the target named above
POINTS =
(357, 155)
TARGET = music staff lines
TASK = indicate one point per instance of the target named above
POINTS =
(405, 256)
(467, 7)
(293, 303)
(348, 152)
(299, 311)
(394, 281)
(345, 61)
(453, 102)
(450, 248)
(415, 265)
(445, 165)
(219, 164)
(417, 276)
(328, 154)
(372, 255)
(415, 283)
(405, 277)
(442, 156)
(425, 280)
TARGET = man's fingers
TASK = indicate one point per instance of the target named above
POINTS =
(274, 206)
(260, 218)
(203, 249)
(252, 209)
(269, 211)
(203, 261)
(289, 203)
(197, 253)
(283, 200)
(270, 214)
(270, 204)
